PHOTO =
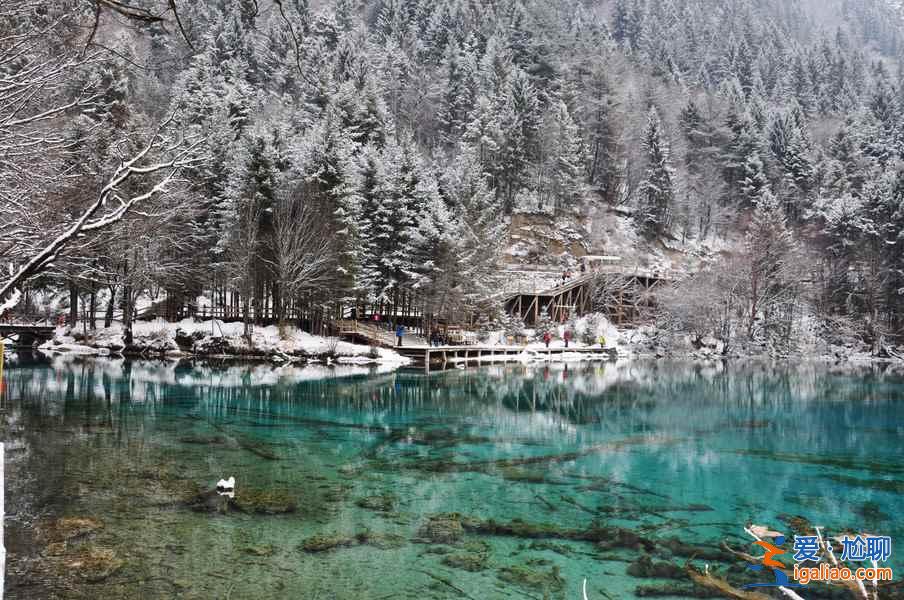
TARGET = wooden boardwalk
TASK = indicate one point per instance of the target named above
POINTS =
(572, 297)
(441, 357)
(623, 294)
(368, 333)
(27, 335)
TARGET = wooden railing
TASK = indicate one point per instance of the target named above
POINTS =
(535, 280)
(380, 335)
(372, 333)
(28, 319)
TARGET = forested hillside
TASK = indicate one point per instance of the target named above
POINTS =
(375, 151)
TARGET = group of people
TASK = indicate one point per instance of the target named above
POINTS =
(547, 337)
(436, 338)
(568, 273)
(568, 336)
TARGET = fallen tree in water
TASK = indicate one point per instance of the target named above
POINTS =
(488, 466)
(446, 527)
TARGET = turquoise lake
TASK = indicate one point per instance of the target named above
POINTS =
(502, 482)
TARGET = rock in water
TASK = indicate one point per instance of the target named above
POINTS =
(212, 501)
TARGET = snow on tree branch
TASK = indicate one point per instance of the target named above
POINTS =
(175, 156)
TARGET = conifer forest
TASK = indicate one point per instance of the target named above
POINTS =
(300, 159)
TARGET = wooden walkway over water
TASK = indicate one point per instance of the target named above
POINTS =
(26, 334)
(441, 357)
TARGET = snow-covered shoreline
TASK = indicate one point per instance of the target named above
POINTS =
(215, 339)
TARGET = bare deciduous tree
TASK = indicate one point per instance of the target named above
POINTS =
(300, 251)
(242, 255)
(45, 87)
(767, 264)
(754, 291)
(157, 165)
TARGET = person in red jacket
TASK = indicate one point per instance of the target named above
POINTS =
(567, 337)
(547, 337)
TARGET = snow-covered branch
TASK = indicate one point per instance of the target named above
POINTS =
(97, 215)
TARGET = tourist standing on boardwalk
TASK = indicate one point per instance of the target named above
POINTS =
(399, 332)
(547, 337)
(567, 337)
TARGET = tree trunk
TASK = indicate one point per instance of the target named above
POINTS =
(111, 307)
(73, 304)
(92, 308)
(279, 307)
(246, 318)
(127, 307)
(127, 314)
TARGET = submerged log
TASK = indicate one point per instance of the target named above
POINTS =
(247, 500)
(485, 466)
(708, 580)
(246, 443)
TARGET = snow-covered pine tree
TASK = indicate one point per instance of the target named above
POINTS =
(745, 171)
(460, 90)
(484, 136)
(519, 122)
(656, 192)
(754, 181)
(324, 158)
(565, 156)
(846, 172)
(245, 217)
(595, 113)
(702, 156)
(477, 228)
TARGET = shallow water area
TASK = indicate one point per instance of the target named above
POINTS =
(508, 481)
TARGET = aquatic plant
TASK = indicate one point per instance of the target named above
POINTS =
(265, 502)
(70, 528)
(260, 550)
(326, 542)
(644, 567)
(94, 564)
(549, 582)
(443, 528)
(380, 503)
(467, 561)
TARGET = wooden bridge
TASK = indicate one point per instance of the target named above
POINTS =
(361, 332)
(372, 334)
(26, 334)
(444, 357)
(623, 292)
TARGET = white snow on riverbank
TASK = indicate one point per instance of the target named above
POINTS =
(159, 337)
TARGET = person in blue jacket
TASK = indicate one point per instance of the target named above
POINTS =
(399, 332)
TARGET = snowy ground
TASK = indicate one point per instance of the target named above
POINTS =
(584, 330)
(216, 338)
